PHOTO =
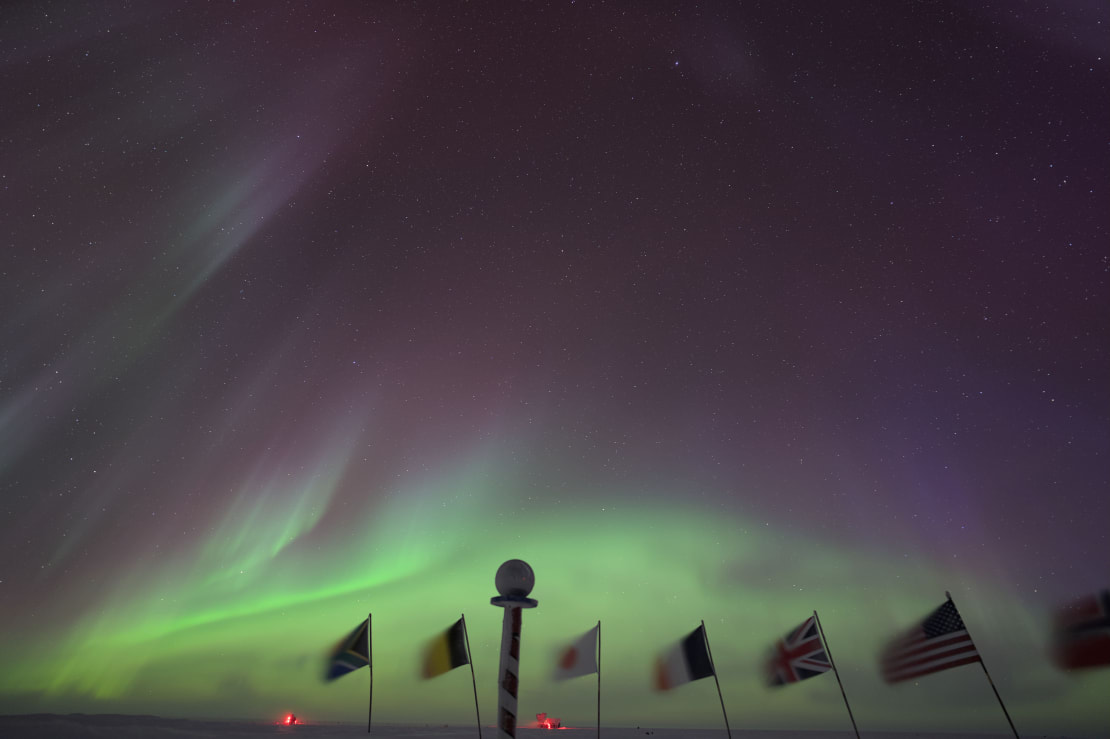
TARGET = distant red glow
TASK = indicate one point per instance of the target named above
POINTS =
(543, 722)
(289, 719)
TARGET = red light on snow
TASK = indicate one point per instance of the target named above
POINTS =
(543, 722)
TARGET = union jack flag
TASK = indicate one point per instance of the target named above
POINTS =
(798, 655)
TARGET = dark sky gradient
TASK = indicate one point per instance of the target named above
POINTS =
(708, 310)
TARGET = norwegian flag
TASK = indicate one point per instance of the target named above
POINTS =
(798, 655)
(1082, 638)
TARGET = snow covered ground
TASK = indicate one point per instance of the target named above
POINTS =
(81, 726)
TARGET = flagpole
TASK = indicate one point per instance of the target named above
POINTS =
(370, 655)
(599, 679)
(984, 666)
(714, 666)
(836, 672)
(473, 682)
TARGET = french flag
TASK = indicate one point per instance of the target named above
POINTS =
(687, 661)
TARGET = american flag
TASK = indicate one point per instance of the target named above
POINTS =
(798, 655)
(938, 643)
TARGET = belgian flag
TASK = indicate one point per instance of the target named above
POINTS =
(446, 651)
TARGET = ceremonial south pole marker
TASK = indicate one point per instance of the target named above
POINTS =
(514, 582)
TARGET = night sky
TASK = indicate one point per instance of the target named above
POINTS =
(708, 310)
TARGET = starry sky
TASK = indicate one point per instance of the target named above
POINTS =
(708, 310)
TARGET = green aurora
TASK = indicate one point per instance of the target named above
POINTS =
(239, 627)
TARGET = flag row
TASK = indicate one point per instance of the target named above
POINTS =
(939, 642)
(443, 653)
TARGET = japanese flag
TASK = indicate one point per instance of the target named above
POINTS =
(579, 658)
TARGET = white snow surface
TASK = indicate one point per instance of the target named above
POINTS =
(103, 726)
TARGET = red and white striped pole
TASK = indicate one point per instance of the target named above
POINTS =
(514, 582)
